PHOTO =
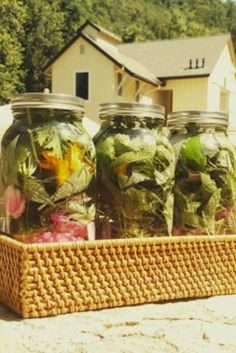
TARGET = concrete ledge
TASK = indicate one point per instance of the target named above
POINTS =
(190, 326)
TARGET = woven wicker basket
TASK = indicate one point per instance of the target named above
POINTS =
(42, 280)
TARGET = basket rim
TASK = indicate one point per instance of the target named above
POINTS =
(118, 242)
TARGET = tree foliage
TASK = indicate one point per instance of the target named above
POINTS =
(12, 71)
(43, 38)
(33, 31)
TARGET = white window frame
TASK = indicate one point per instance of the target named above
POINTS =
(89, 83)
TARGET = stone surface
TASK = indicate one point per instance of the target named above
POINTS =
(190, 326)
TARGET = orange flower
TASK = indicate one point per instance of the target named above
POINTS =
(50, 161)
(122, 169)
(62, 168)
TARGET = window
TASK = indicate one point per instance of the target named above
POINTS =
(119, 84)
(137, 91)
(81, 49)
(82, 85)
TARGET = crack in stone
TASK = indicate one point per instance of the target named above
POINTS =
(93, 334)
(161, 337)
(120, 324)
(229, 323)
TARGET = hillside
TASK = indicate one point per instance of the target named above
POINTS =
(33, 31)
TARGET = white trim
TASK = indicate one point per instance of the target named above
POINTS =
(89, 83)
(154, 89)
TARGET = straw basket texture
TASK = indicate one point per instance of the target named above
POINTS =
(51, 279)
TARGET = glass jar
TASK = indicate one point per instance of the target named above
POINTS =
(232, 137)
(47, 171)
(135, 164)
(205, 177)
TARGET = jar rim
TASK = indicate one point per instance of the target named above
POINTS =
(47, 101)
(136, 109)
(205, 118)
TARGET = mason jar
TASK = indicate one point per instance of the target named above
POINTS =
(205, 177)
(232, 137)
(135, 172)
(47, 171)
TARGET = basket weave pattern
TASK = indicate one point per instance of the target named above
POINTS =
(50, 279)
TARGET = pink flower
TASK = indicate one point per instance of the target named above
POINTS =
(13, 201)
(61, 224)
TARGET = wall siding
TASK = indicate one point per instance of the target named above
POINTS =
(200, 93)
(102, 80)
(188, 93)
(65, 68)
(223, 78)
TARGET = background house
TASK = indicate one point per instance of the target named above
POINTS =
(92, 67)
(196, 73)
(182, 74)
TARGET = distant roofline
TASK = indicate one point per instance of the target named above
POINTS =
(224, 38)
(80, 34)
(46, 67)
(110, 57)
(178, 39)
(77, 35)
(101, 29)
(166, 78)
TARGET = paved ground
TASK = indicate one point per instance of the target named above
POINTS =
(193, 326)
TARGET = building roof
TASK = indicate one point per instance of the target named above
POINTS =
(171, 58)
(131, 66)
(159, 60)
(126, 63)
(101, 29)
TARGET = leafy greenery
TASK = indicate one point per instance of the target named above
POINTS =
(33, 31)
(43, 38)
(12, 70)
(205, 185)
(136, 174)
(51, 167)
(192, 152)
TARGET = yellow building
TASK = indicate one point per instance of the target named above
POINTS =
(182, 74)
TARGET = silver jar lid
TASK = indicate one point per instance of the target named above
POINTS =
(178, 120)
(47, 101)
(107, 110)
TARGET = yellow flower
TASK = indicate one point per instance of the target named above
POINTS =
(62, 171)
(74, 156)
(62, 168)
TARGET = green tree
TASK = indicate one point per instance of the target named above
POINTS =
(33, 31)
(74, 13)
(211, 13)
(12, 72)
(43, 40)
(231, 19)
